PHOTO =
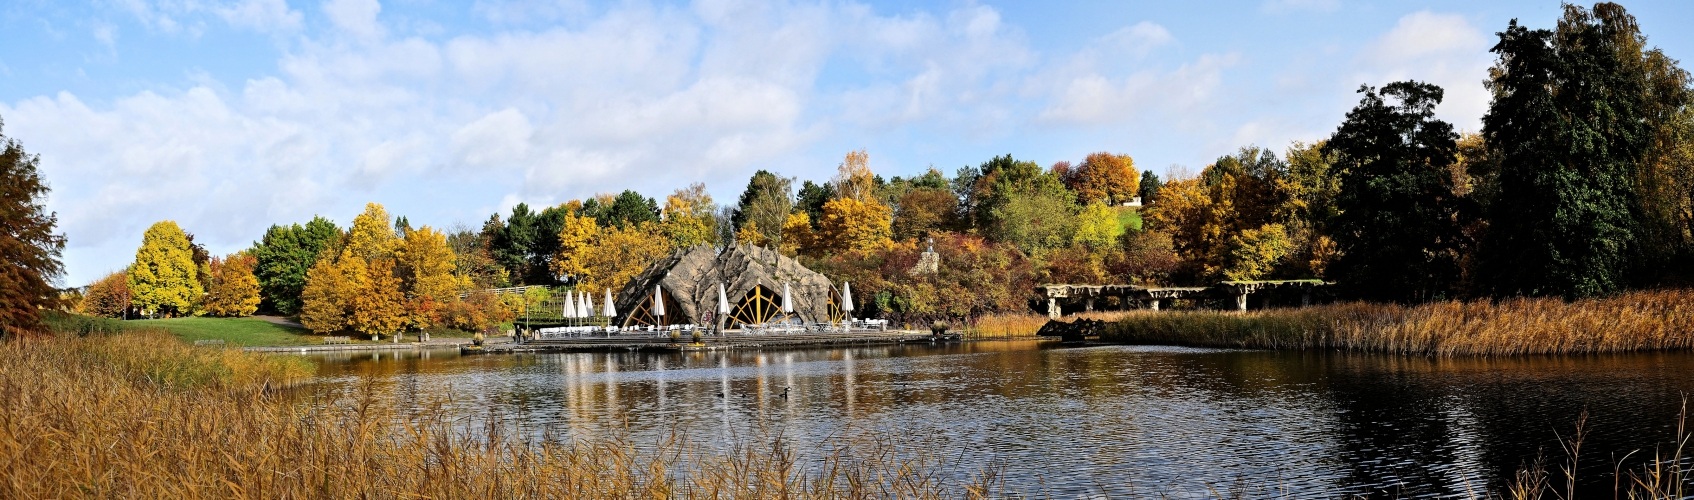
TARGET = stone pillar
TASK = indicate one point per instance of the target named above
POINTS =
(1241, 302)
(1053, 308)
(1088, 304)
(1305, 298)
(1153, 304)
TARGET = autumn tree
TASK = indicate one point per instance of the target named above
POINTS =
(850, 223)
(372, 235)
(164, 278)
(924, 211)
(426, 271)
(379, 307)
(1104, 177)
(765, 204)
(798, 236)
(328, 290)
(284, 255)
(690, 217)
(108, 296)
(853, 178)
(29, 249)
(1399, 223)
(607, 257)
(233, 290)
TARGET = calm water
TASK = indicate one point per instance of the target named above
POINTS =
(1072, 421)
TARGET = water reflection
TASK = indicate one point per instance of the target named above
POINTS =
(1069, 421)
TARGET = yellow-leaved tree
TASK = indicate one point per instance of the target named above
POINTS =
(852, 224)
(689, 220)
(425, 268)
(577, 237)
(380, 308)
(1097, 227)
(234, 290)
(163, 278)
(323, 304)
(797, 234)
(608, 257)
(372, 235)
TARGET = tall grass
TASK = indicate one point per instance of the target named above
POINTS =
(1635, 321)
(142, 415)
(1015, 325)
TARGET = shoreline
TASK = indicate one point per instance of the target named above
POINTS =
(505, 345)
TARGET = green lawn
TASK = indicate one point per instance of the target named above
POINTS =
(233, 331)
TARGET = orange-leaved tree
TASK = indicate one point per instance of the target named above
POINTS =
(106, 297)
(1104, 177)
(233, 290)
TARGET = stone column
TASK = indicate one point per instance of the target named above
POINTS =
(1153, 304)
(1306, 298)
(1053, 308)
(1088, 304)
(1241, 302)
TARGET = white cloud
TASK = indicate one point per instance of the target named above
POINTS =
(1144, 96)
(355, 17)
(1443, 49)
(261, 15)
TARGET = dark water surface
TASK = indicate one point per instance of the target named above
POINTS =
(1076, 421)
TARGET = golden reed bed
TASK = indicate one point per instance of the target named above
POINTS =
(141, 415)
(1636, 321)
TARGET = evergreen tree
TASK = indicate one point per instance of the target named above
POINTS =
(1150, 185)
(283, 257)
(1567, 121)
(1399, 221)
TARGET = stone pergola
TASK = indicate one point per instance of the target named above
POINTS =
(1058, 296)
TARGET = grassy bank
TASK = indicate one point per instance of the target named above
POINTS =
(1635, 321)
(248, 331)
(140, 414)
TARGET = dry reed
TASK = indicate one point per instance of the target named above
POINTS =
(1637, 321)
(142, 415)
(1014, 325)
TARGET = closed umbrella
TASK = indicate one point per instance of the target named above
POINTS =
(723, 301)
(846, 303)
(609, 311)
(569, 310)
(787, 300)
(658, 306)
(582, 306)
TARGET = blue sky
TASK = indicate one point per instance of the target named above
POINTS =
(228, 116)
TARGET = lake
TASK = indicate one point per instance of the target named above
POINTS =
(1068, 421)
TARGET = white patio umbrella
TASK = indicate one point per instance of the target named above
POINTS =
(787, 300)
(583, 308)
(846, 304)
(658, 306)
(609, 311)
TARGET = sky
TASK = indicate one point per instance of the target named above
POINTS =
(228, 116)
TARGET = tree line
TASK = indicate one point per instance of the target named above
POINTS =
(1581, 183)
